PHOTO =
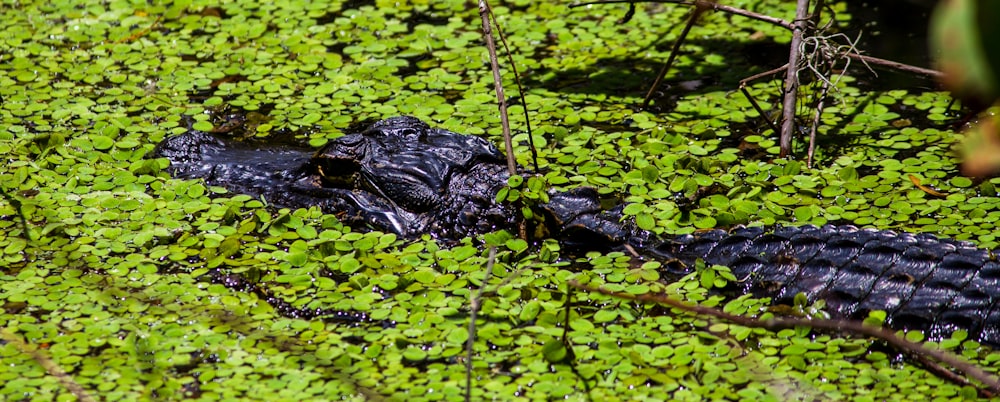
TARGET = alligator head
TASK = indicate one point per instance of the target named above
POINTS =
(432, 180)
(399, 175)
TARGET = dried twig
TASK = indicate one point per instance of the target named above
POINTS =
(713, 5)
(803, 21)
(815, 123)
(520, 89)
(134, 37)
(16, 204)
(700, 7)
(567, 311)
(791, 87)
(753, 102)
(474, 307)
(484, 12)
(50, 366)
(897, 66)
(991, 382)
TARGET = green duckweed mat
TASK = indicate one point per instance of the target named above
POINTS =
(102, 252)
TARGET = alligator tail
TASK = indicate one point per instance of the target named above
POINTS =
(922, 282)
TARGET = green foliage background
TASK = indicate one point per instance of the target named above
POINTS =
(104, 278)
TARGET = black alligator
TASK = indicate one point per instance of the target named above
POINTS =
(402, 176)
(398, 176)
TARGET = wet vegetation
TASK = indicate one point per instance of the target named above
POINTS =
(114, 272)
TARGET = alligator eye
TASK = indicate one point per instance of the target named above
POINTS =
(346, 141)
(409, 134)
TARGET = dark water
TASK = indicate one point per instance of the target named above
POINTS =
(894, 30)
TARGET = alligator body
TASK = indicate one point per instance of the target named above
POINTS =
(922, 282)
(402, 176)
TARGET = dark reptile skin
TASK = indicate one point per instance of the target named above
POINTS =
(923, 282)
(403, 176)
(399, 175)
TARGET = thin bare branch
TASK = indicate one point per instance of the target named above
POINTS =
(792, 79)
(520, 89)
(753, 102)
(484, 12)
(474, 307)
(50, 366)
(824, 54)
(815, 123)
(991, 382)
(715, 6)
(814, 19)
(699, 8)
(897, 66)
(16, 204)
